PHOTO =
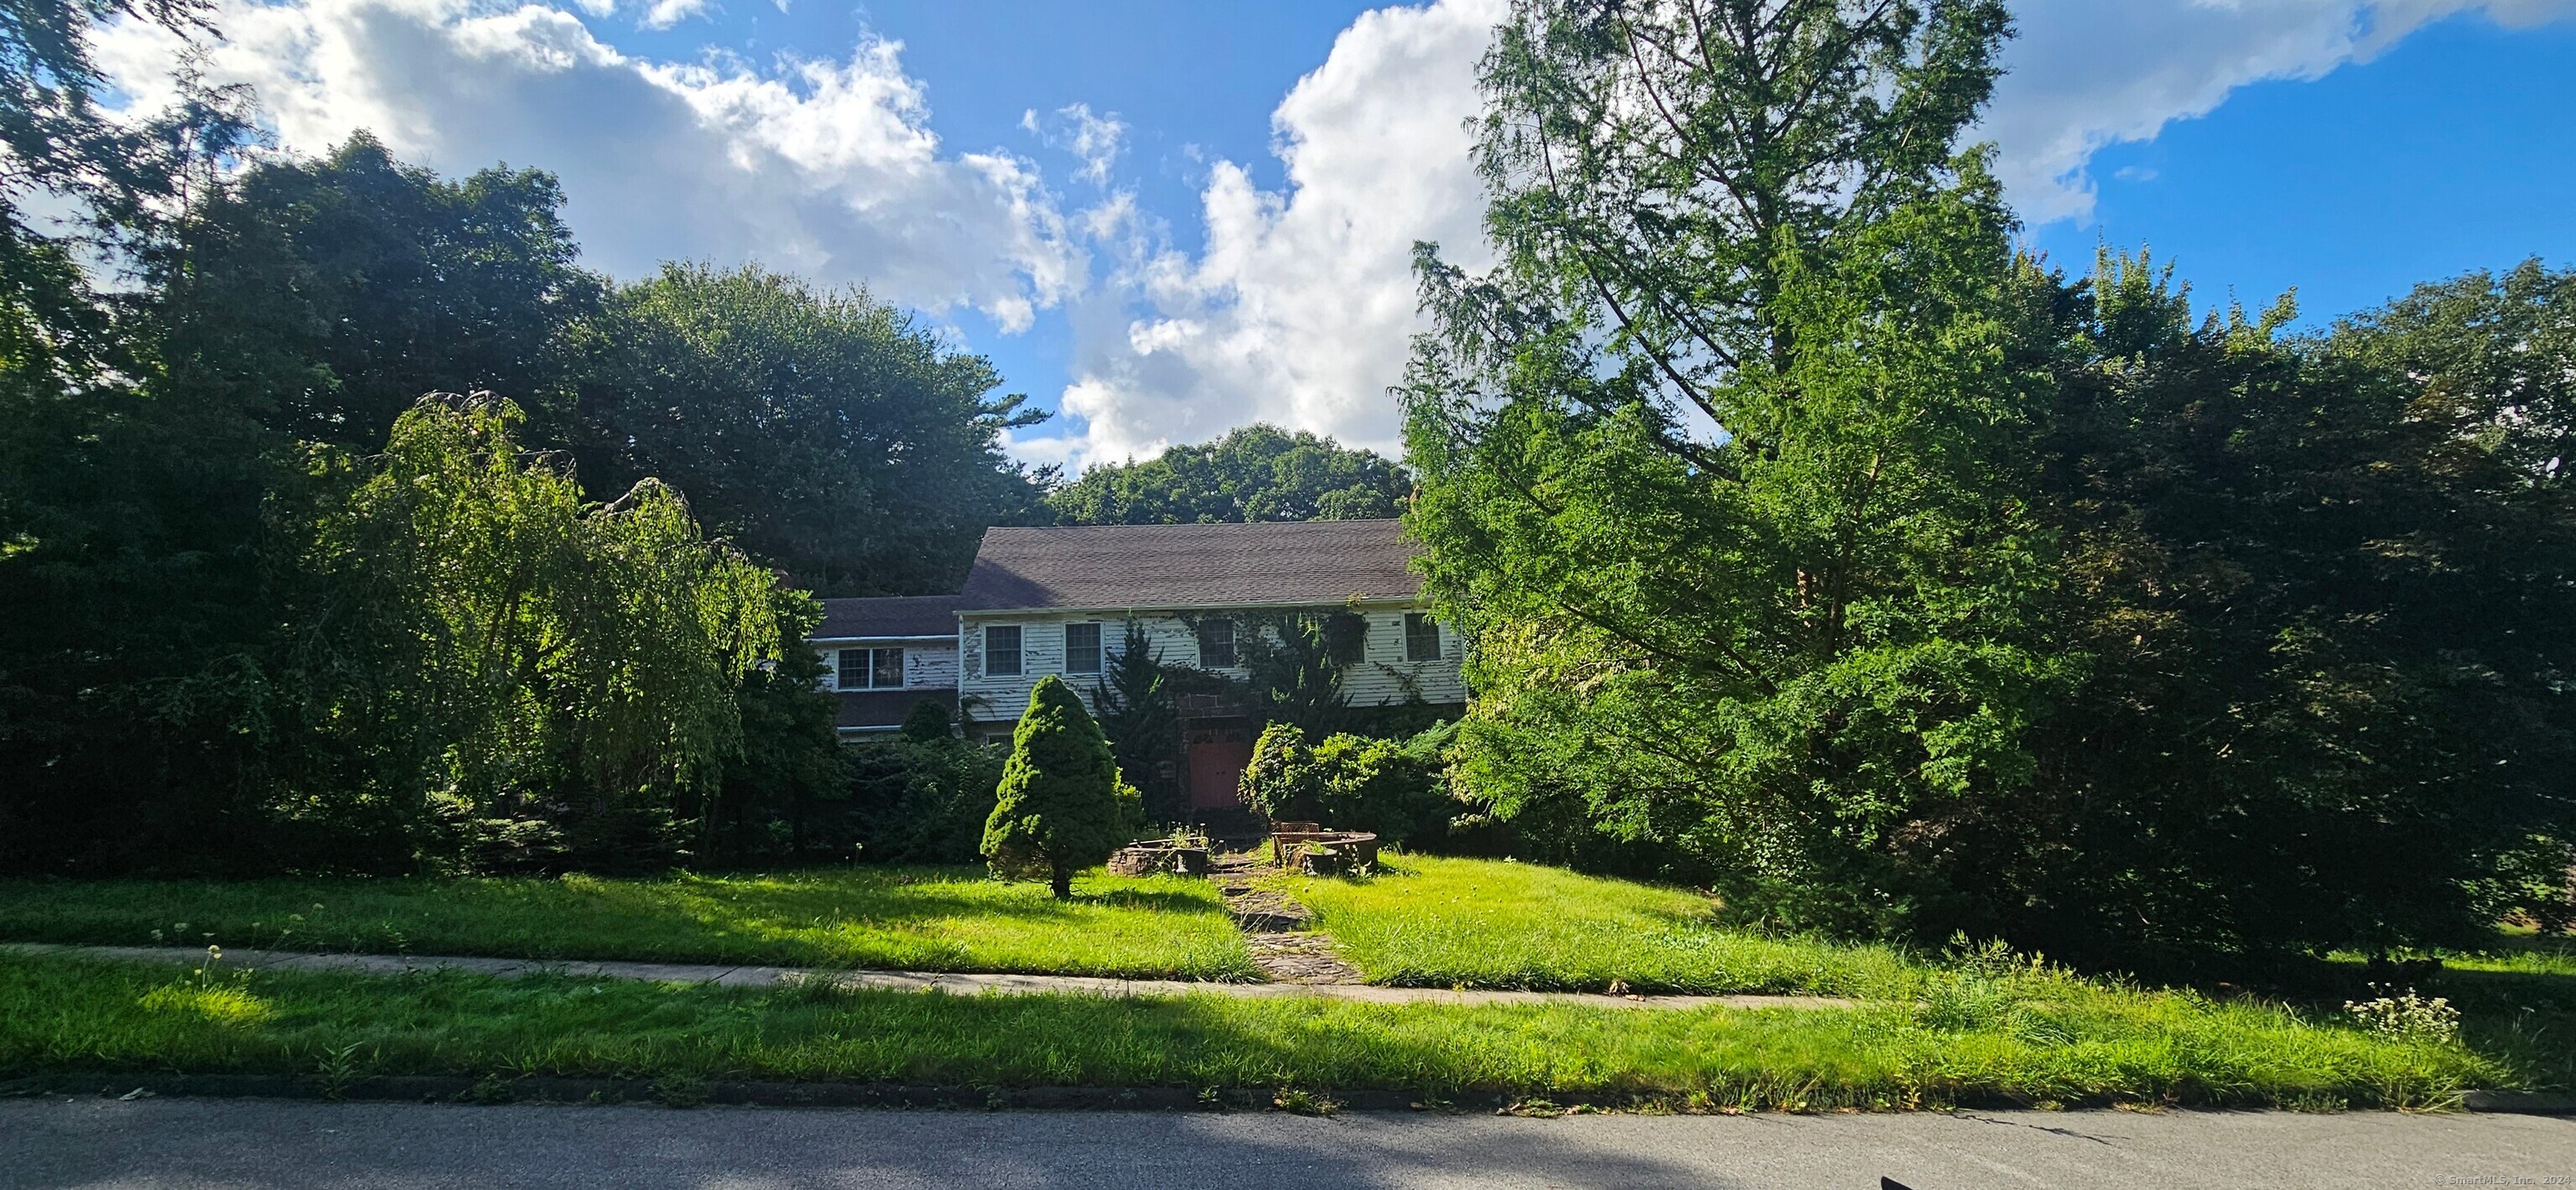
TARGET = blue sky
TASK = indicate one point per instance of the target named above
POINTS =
(1167, 219)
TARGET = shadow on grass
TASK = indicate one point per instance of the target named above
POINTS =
(945, 918)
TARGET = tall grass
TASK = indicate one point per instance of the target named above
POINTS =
(929, 919)
(1426, 921)
(2040, 1041)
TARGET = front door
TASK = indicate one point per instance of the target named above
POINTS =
(1217, 756)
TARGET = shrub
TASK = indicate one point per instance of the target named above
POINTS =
(1061, 806)
(923, 802)
(928, 722)
(1390, 787)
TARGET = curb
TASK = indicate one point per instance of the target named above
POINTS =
(2520, 1103)
(458, 1089)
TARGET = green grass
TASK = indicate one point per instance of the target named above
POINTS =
(2035, 1037)
(927, 919)
(1425, 921)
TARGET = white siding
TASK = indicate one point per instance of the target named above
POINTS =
(1380, 680)
(926, 665)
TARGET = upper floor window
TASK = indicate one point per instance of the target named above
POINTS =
(1001, 650)
(869, 669)
(1216, 644)
(1346, 638)
(1421, 638)
(1082, 648)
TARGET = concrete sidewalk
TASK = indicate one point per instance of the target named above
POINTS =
(893, 981)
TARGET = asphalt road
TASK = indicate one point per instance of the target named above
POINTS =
(170, 1144)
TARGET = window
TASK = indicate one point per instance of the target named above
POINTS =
(1346, 638)
(862, 669)
(1082, 648)
(1001, 650)
(886, 669)
(1216, 644)
(1421, 638)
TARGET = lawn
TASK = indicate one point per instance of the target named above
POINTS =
(1426, 921)
(923, 919)
(2029, 1037)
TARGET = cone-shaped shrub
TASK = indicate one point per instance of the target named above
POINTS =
(1058, 810)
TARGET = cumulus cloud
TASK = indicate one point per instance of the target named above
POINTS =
(2085, 74)
(824, 168)
(1300, 308)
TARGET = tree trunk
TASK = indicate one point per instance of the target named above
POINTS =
(1061, 879)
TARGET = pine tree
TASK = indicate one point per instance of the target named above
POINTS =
(1059, 801)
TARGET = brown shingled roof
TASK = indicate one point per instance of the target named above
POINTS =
(897, 615)
(1144, 566)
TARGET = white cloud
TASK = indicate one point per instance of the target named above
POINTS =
(822, 168)
(2085, 74)
(662, 14)
(1300, 308)
(1096, 140)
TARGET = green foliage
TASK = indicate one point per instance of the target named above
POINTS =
(1256, 473)
(780, 792)
(1293, 670)
(925, 801)
(1393, 788)
(1140, 714)
(1727, 467)
(1062, 805)
(825, 431)
(928, 722)
(2325, 581)
(326, 296)
(491, 636)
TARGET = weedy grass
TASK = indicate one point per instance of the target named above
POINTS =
(1428, 921)
(924, 919)
(2032, 1038)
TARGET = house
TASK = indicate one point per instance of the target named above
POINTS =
(1059, 601)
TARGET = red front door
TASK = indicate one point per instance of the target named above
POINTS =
(1216, 772)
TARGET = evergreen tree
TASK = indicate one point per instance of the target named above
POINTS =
(1140, 713)
(1059, 804)
(1726, 466)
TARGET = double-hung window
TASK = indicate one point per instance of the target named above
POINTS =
(1421, 638)
(1216, 644)
(1082, 648)
(1001, 650)
(869, 669)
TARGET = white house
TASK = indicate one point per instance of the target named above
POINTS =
(1058, 601)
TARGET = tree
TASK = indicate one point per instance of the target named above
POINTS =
(1256, 473)
(1727, 466)
(2325, 580)
(1140, 714)
(494, 643)
(327, 295)
(825, 431)
(1058, 809)
(132, 710)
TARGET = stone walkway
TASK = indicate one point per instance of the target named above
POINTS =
(1279, 932)
(895, 981)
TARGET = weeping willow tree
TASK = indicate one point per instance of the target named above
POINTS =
(504, 647)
